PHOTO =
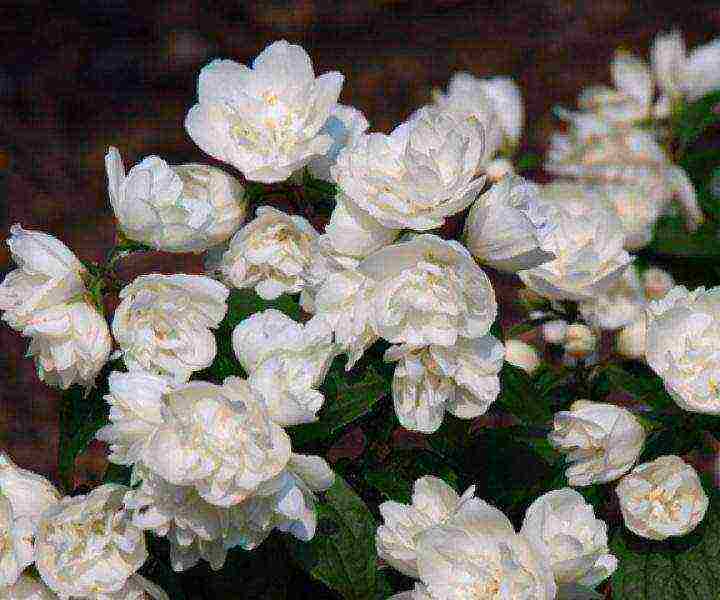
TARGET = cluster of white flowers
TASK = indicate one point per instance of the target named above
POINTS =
(461, 547)
(212, 465)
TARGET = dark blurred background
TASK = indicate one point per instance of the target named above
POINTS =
(76, 79)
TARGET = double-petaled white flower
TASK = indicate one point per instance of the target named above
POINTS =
(44, 298)
(461, 379)
(163, 324)
(433, 502)
(681, 74)
(345, 125)
(47, 274)
(509, 228)
(286, 362)
(621, 304)
(429, 291)
(266, 120)
(683, 346)
(495, 103)
(182, 208)
(662, 498)
(424, 171)
(602, 441)
(87, 546)
(563, 527)
(272, 253)
(24, 496)
(588, 245)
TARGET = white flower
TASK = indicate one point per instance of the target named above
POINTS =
(495, 103)
(184, 208)
(23, 498)
(619, 305)
(70, 343)
(656, 283)
(433, 501)
(462, 379)
(163, 323)
(344, 125)
(630, 341)
(508, 228)
(429, 291)
(603, 441)
(87, 545)
(272, 253)
(662, 498)
(477, 554)
(352, 232)
(554, 331)
(266, 120)
(136, 405)
(419, 592)
(47, 274)
(421, 173)
(219, 439)
(701, 75)
(588, 244)
(580, 341)
(198, 530)
(27, 588)
(522, 355)
(344, 301)
(683, 346)
(563, 527)
(669, 58)
(286, 363)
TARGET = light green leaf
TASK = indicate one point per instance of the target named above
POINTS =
(342, 554)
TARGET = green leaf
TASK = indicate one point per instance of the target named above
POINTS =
(672, 239)
(390, 484)
(681, 568)
(346, 400)
(520, 397)
(644, 386)
(342, 553)
(692, 120)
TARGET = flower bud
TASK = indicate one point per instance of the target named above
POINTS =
(554, 332)
(522, 355)
(630, 340)
(656, 283)
(580, 341)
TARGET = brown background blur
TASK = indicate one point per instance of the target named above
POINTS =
(75, 80)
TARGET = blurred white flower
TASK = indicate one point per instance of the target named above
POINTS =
(602, 441)
(554, 331)
(183, 208)
(588, 245)
(683, 346)
(344, 302)
(163, 324)
(462, 379)
(630, 341)
(477, 554)
(662, 498)
(344, 125)
(87, 546)
(429, 291)
(701, 75)
(354, 233)
(24, 496)
(47, 274)
(27, 588)
(495, 103)
(286, 363)
(421, 173)
(266, 120)
(656, 283)
(272, 253)
(433, 501)
(219, 439)
(619, 305)
(580, 341)
(70, 343)
(522, 355)
(563, 527)
(508, 228)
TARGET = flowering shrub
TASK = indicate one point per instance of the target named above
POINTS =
(340, 373)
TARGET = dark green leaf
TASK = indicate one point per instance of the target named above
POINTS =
(673, 239)
(520, 397)
(390, 484)
(344, 556)
(681, 568)
(694, 119)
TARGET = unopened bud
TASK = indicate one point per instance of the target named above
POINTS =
(554, 332)
(522, 355)
(630, 340)
(580, 341)
(656, 283)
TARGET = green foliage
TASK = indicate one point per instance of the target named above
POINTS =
(348, 397)
(678, 568)
(342, 554)
(692, 120)
(533, 398)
